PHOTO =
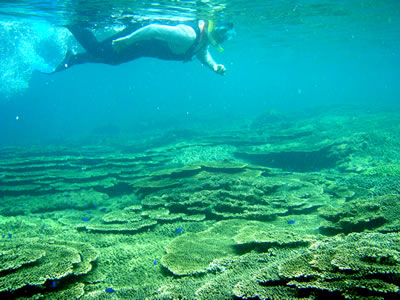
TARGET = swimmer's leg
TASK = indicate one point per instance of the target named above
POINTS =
(87, 39)
(96, 52)
(75, 59)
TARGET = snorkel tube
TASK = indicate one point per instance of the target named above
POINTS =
(211, 30)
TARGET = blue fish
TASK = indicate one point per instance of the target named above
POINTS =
(10, 235)
(179, 230)
(53, 284)
(42, 227)
(85, 219)
(110, 290)
(155, 262)
(291, 222)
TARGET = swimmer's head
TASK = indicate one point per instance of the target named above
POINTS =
(223, 32)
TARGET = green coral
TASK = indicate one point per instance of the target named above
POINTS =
(192, 253)
(121, 216)
(269, 238)
(354, 216)
(384, 170)
(72, 291)
(357, 264)
(117, 228)
(52, 260)
(192, 207)
(15, 258)
(200, 153)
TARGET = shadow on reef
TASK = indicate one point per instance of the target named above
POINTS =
(293, 161)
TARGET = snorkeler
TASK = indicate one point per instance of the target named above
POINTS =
(179, 42)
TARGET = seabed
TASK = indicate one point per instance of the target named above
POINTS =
(281, 208)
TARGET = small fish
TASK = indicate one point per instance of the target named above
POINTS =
(85, 219)
(155, 262)
(53, 284)
(67, 195)
(110, 290)
(291, 222)
(89, 212)
(42, 227)
(179, 230)
(42, 217)
(10, 235)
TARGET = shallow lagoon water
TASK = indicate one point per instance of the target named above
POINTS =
(162, 180)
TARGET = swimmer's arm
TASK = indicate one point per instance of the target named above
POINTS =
(182, 33)
(205, 57)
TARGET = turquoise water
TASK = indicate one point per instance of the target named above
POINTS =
(286, 55)
(163, 180)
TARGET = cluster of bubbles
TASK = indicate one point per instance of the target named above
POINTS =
(26, 47)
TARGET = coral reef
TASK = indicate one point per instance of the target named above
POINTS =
(359, 264)
(285, 208)
(34, 262)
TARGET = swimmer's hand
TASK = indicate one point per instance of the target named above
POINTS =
(219, 69)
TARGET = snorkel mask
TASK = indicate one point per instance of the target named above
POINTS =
(219, 34)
